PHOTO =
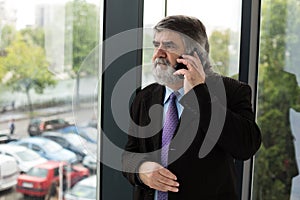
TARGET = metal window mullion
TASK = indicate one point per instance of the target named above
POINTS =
(248, 72)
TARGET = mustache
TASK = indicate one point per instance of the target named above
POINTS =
(162, 61)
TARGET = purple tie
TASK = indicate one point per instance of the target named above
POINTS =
(169, 128)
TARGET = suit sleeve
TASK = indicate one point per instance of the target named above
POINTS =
(239, 136)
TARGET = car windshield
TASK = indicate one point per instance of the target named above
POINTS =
(35, 121)
(38, 172)
(76, 140)
(27, 155)
(90, 132)
(51, 146)
(84, 191)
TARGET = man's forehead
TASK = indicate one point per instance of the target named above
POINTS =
(167, 36)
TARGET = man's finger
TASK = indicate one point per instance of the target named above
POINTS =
(166, 173)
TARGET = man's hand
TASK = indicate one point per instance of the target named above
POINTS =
(157, 177)
(194, 75)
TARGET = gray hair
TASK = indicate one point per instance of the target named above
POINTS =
(193, 34)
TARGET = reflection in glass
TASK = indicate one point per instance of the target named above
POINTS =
(38, 172)
(49, 62)
(223, 31)
(154, 11)
(276, 165)
(48, 55)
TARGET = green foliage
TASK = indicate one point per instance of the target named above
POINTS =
(84, 20)
(84, 30)
(26, 67)
(269, 162)
(8, 34)
(223, 50)
(34, 36)
(275, 163)
(219, 42)
(2, 72)
(147, 53)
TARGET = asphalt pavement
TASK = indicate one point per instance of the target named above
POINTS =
(18, 114)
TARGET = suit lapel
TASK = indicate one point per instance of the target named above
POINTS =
(155, 98)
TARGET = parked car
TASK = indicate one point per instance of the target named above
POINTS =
(37, 181)
(37, 126)
(73, 142)
(83, 190)
(89, 133)
(90, 161)
(6, 138)
(48, 149)
(93, 123)
(9, 172)
(26, 158)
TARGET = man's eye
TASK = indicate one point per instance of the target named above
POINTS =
(169, 46)
(156, 44)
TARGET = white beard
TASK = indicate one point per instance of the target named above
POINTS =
(164, 74)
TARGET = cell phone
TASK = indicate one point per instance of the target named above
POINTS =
(183, 66)
(179, 66)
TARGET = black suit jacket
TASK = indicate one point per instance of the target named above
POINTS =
(216, 114)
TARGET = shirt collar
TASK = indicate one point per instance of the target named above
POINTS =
(169, 91)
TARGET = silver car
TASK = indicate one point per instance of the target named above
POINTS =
(83, 190)
(9, 172)
(26, 158)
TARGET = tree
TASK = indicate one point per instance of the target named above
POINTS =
(219, 42)
(34, 35)
(26, 66)
(275, 162)
(7, 35)
(147, 56)
(2, 72)
(224, 51)
(84, 18)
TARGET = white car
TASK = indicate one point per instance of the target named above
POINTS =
(90, 162)
(83, 190)
(25, 157)
(9, 172)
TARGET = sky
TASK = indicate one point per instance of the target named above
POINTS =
(26, 9)
(213, 13)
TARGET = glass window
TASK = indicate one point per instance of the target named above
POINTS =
(56, 171)
(154, 11)
(38, 172)
(223, 24)
(49, 63)
(276, 172)
(50, 146)
(83, 191)
(36, 148)
(27, 155)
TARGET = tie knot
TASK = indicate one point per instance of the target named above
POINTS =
(173, 96)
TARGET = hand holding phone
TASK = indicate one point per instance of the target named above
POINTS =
(183, 66)
(179, 66)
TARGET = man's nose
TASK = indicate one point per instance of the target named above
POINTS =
(160, 53)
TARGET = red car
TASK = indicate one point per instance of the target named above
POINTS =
(37, 181)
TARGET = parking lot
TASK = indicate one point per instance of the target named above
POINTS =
(10, 194)
(80, 117)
